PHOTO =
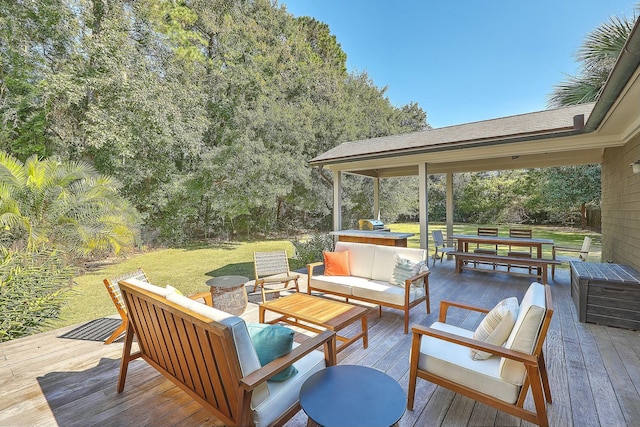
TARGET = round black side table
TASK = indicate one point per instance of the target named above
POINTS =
(351, 395)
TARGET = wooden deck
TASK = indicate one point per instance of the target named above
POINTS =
(594, 370)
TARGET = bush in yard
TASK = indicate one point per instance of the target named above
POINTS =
(311, 250)
(33, 287)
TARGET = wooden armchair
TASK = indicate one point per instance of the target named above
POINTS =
(116, 296)
(210, 356)
(272, 268)
(580, 254)
(441, 354)
(114, 292)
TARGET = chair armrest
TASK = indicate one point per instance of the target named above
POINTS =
(205, 295)
(326, 338)
(518, 356)
(314, 264)
(444, 306)
(566, 249)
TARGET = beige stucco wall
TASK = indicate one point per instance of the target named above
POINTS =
(621, 205)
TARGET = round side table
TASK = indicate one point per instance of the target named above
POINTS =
(228, 294)
(350, 395)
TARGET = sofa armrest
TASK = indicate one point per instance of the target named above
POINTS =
(326, 338)
(444, 307)
(417, 277)
(517, 356)
(310, 268)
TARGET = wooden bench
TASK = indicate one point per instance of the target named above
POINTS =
(539, 266)
(201, 356)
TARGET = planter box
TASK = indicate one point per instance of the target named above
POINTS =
(607, 294)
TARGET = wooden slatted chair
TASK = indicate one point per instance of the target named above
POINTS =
(582, 253)
(272, 268)
(441, 354)
(114, 292)
(493, 250)
(209, 354)
(520, 233)
(442, 245)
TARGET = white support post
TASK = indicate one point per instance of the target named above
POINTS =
(376, 198)
(423, 202)
(449, 204)
(337, 200)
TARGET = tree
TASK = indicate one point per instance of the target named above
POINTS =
(571, 188)
(62, 205)
(597, 55)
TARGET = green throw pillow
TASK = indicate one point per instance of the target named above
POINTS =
(405, 269)
(271, 342)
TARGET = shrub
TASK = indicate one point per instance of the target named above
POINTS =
(33, 287)
(311, 250)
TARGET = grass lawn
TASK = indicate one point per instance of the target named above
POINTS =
(188, 269)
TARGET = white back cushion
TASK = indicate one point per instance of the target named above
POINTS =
(524, 335)
(360, 257)
(385, 258)
(163, 292)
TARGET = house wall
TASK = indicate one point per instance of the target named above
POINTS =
(621, 205)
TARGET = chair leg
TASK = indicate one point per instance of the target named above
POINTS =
(544, 377)
(126, 357)
(117, 332)
(538, 397)
(413, 370)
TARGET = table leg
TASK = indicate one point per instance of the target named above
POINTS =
(261, 311)
(365, 330)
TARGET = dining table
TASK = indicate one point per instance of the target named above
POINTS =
(465, 239)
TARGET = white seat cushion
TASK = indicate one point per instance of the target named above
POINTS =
(525, 332)
(283, 395)
(385, 292)
(339, 284)
(452, 361)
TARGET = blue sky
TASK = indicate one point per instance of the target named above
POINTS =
(463, 61)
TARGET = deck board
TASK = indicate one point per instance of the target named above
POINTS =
(594, 370)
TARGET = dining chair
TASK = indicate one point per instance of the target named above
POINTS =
(582, 253)
(520, 233)
(442, 245)
(492, 250)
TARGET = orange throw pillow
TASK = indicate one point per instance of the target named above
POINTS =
(336, 263)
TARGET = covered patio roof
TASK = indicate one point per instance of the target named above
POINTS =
(564, 136)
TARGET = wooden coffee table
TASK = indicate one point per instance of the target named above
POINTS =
(311, 313)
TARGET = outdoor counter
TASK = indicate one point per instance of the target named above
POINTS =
(385, 238)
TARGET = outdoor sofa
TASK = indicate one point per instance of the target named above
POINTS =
(373, 277)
